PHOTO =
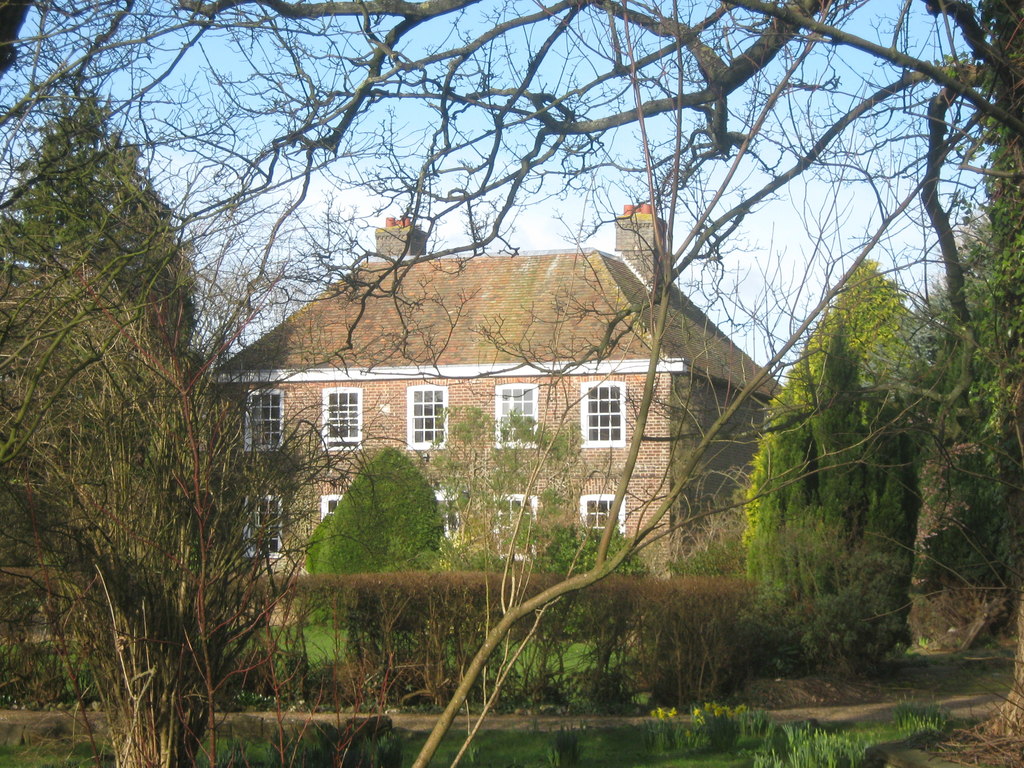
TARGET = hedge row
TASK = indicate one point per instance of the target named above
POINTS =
(378, 640)
(406, 638)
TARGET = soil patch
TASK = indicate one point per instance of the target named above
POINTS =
(915, 677)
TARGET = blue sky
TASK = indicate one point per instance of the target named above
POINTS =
(229, 81)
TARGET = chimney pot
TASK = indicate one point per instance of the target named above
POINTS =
(398, 238)
(635, 239)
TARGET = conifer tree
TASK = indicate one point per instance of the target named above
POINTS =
(833, 503)
(388, 520)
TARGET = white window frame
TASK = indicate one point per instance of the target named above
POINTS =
(524, 501)
(250, 433)
(422, 445)
(500, 415)
(586, 391)
(598, 498)
(272, 546)
(325, 504)
(335, 443)
(450, 518)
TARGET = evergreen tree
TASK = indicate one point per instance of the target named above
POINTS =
(388, 520)
(84, 206)
(833, 502)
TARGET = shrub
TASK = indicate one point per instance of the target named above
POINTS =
(388, 520)
(572, 549)
(693, 639)
(406, 637)
(835, 477)
(838, 612)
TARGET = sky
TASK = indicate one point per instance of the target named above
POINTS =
(777, 262)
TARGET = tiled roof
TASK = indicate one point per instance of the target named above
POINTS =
(487, 310)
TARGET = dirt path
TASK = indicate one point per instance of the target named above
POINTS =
(969, 686)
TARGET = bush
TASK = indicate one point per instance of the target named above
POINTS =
(572, 549)
(694, 639)
(404, 638)
(388, 520)
(845, 608)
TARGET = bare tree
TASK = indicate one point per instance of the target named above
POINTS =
(710, 112)
(149, 529)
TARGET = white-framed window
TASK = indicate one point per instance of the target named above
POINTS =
(516, 508)
(595, 509)
(511, 508)
(515, 413)
(603, 414)
(343, 417)
(264, 420)
(427, 407)
(328, 503)
(449, 513)
(263, 535)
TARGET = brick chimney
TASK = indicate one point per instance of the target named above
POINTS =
(634, 239)
(395, 234)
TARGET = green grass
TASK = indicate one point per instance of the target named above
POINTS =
(621, 747)
(607, 748)
(54, 754)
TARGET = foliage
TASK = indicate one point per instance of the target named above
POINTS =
(668, 735)
(966, 475)
(508, 500)
(912, 718)
(806, 747)
(719, 724)
(572, 548)
(128, 481)
(682, 638)
(321, 747)
(833, 501)
(388, 520)
(720, 557)
(567, 748)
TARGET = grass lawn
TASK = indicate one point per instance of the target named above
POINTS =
(600, 748)
(608, 748)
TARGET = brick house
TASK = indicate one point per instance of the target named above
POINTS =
(386, 355)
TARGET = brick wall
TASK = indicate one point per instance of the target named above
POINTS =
(385, 418)
(721, 466)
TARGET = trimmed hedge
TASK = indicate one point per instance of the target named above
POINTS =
(405, 638)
